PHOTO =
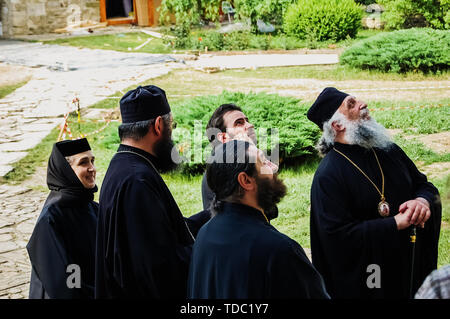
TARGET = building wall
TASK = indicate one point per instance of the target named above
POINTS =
(21, 17)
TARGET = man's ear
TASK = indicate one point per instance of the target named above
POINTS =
(246, 182)
(158, 126)
(223, 137)
(337, 127)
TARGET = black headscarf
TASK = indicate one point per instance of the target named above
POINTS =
(64, 185)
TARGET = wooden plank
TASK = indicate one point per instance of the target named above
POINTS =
(102, 10)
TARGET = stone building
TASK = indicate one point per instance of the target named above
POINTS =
(19, 17)
(24, 17)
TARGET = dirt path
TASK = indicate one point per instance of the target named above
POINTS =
(14, 74)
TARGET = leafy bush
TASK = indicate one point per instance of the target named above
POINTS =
(424, 50)
(297, 135)
(400, 14)
(323, 19)
(266, 10)
(189, 11)
(182, 33)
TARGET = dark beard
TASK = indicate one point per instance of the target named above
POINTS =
(163, 151)
(270, 193)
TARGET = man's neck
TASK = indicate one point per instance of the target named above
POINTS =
(340, 139)
(138, 144)
(252, 202)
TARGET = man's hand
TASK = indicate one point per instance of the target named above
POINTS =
(403, 219)
(417, 210)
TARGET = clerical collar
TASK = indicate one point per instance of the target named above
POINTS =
(128, 148)
(350, 147)
(229, 207)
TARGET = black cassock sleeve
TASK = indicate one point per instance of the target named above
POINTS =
(293, 276)
(49, 261)
(422, 188)
(158, 262)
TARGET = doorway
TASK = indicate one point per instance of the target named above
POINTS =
(118, 11)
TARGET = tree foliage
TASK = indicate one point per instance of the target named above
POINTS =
(400, 14)
(190, 11)
(266, 10)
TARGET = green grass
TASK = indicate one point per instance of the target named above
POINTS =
(35, 157)
(127, 42)
(417, 151)
(415, 120)
(443, 184)
(110, 102)
(124, 42)
(334, 72)
(8, 89)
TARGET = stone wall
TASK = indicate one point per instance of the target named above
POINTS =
(21, 17)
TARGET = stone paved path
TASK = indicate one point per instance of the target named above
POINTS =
(19, 208)
(252, 61)
(31, 112)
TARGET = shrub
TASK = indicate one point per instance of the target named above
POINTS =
(238, 40)
(182, 33)
(189, 11)
(400, 14)
(323, 19)
(425, 50)
(266, 10)
(297, 135)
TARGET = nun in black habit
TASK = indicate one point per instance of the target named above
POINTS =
(367, 196)
(65, 231)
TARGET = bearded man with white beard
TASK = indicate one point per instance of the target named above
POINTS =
(367, 197)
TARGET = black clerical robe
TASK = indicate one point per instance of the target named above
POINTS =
(348, 234)
(143, 243)
(64, 235)
(237, 254)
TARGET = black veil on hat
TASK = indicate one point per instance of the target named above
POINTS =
(61, 179)
(143, 103)
(325, 105)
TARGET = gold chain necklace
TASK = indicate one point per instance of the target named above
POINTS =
(383, 206)
(264, 216)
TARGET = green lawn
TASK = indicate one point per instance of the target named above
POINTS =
(125, 42)
(335, 72)
(8, 89)
(130, 42)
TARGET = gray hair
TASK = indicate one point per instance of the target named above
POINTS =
(326, 141)
(138, 130)
(69, 159)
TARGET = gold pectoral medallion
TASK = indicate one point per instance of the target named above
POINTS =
(383, 208)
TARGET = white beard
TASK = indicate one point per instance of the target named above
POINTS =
(367, 133)
(363, 132)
